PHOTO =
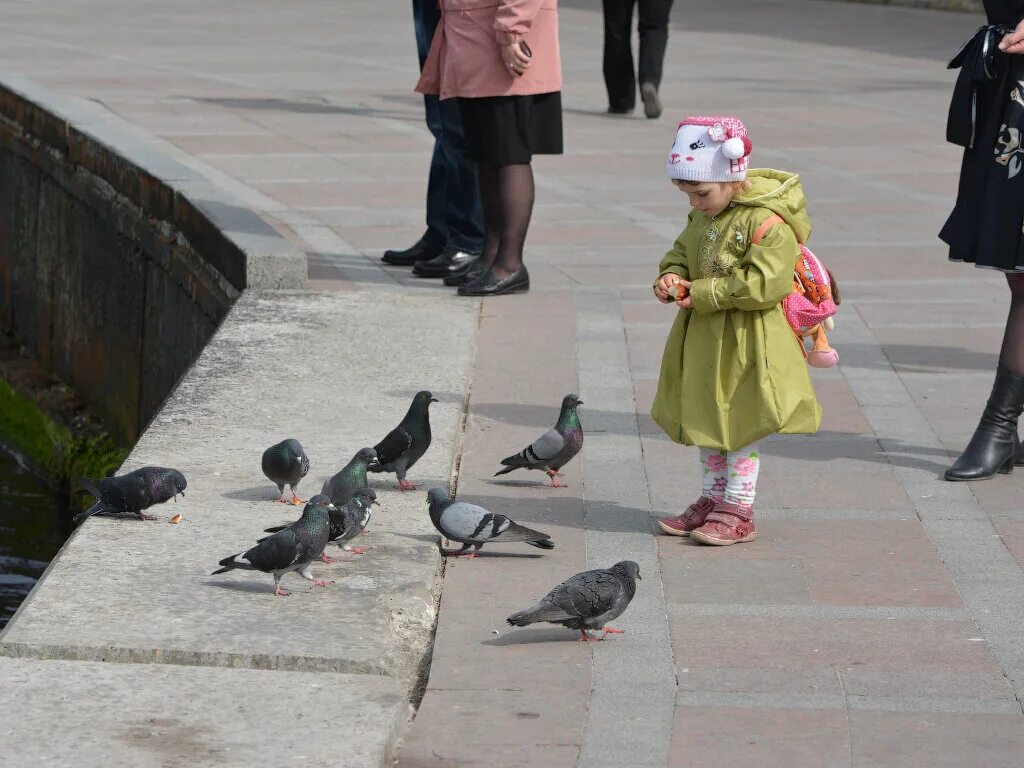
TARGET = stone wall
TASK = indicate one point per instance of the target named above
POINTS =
(117, 263)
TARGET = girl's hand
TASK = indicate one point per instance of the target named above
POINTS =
(1013, 42)
(514, 59)
(668, 282)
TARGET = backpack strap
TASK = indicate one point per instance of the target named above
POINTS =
(767, 224)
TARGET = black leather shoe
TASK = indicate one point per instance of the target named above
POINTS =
(993, 448)
(450, 262)
(420, 251)
(489, 285)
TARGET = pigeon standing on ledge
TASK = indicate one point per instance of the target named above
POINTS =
(473, 526)
(407, 442)
(293, 548)
(286, 464)
(347, 521)
(555, 448)
(133, 492)
(351, 478)
(586, 601)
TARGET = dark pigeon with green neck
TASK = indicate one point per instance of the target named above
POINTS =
(286, 464)
(407, 442)
(351, 478)
(292, 549)
(347, 521)
(555, 448)
(133, 492)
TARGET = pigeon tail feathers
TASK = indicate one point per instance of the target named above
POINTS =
(542, 544)
(231, 563)
(543, 611)
(90, 486)
(96, 509)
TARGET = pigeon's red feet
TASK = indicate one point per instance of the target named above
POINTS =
(407, 485)
(321, 582)
(297, 501)
(611, 631)
(282, 500)
(459, 553)
(143, 516)
(325, 559)
(280, 592)
(586, 637)
(555, 483)
(357, 550)
(553, 473)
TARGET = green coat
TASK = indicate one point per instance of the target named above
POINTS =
(733, 371)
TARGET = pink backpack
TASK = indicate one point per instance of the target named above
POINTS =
(812, 303)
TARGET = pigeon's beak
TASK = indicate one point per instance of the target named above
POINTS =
(433, 400)
(641, 578)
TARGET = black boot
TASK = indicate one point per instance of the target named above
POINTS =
(994, 445)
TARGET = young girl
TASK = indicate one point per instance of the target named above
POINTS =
(732, 372)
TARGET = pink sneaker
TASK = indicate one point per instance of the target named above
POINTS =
(727, 524)
(691, 519)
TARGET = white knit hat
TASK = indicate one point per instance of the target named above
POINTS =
(710, 149)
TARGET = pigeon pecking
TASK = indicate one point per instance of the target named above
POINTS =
(347, 522)
(406, 443)
(350, 478)
(586, 601)
(293, 548)
(133, 492)
(473, 526)
(555, 448)
(286, 464)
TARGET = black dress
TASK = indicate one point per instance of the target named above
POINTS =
(507, 130)
(987, 118)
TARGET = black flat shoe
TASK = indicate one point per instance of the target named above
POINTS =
(449, 263)
(421, 250)
(489, 285)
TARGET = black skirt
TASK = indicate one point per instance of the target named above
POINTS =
(506, 130)
(985, 226)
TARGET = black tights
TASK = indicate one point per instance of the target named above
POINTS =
(506, 193)
(1011, 356)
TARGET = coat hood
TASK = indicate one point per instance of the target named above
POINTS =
(781, 193)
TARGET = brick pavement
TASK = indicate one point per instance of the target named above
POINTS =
(876, 621)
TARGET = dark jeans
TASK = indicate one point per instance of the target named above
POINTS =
(454, 216)
(618, 55)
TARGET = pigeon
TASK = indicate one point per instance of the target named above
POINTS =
(473, 526)
(350, 479)
(555, 448)
(286, 464)
(133, 492)
(292, 549)
(586, 601)
(407, 442)
(347, 522)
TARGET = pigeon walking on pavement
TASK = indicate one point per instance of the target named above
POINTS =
(350, 478)
(473, 526)
(347, 521)
(133, 492)
(293, 548)
(406, 443)
(555, 448)
(586, 601)
(286, 464)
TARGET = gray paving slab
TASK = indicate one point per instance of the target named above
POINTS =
(283, 364)
(159, 715)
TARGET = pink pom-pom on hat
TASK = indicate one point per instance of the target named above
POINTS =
(710, 148)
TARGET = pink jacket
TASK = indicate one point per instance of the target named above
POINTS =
(465, 55)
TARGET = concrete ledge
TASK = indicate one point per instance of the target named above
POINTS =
(152, 716)
(238, 243)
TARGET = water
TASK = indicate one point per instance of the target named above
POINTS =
(34, 523)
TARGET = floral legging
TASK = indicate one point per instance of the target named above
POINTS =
(731, 476)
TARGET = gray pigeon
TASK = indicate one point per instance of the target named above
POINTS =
(286, 464)
(555, 448)
(347, 522)
(473, 526)
(586, 601)
(133, 492)
(406, 443)
(291, 549)
(350, 479)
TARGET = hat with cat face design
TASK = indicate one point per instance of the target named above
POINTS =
(710, 149)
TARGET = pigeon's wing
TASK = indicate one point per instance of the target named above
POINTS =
(587, 594)
(462, 521)
(393, 446)
(276, 552)
(539, 453)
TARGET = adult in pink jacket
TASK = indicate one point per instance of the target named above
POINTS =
(500, 59)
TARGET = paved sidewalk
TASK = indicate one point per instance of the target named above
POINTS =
(877, 619)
